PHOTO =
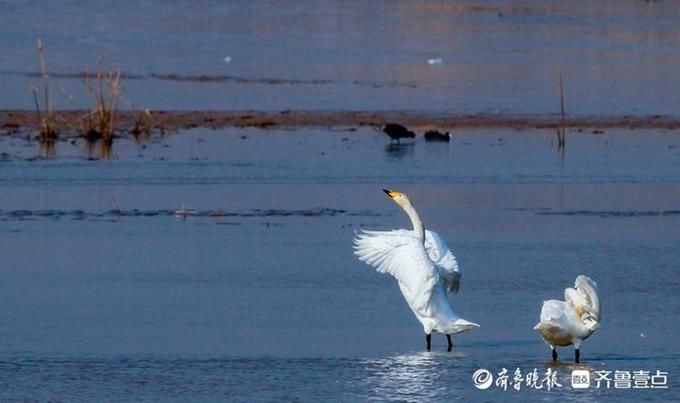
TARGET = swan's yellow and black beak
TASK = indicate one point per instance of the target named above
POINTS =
(392, 193)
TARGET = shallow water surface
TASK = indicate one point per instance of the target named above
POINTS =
(256, 295)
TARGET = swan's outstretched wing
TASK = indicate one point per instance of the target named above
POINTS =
(401, 254)
(444, 260)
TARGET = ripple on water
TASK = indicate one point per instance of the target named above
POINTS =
(23, 214)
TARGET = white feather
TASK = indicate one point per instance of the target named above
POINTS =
(423, 273)
(401, 254)
(573, 320)
(444, 260)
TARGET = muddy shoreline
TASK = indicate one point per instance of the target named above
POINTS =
(16, 121)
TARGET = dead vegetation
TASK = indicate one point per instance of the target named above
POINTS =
(44, 101)
(99, 123)
(105, 90)
(143, 124)
(561, 129)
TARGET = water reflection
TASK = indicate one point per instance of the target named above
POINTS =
(48, 148)
(400, 150)
(100, 149)
(567, 366)
(560, 142)
(419, 376)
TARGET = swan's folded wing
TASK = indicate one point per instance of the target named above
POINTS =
(401, 254)
(444, 260)
(587, 289)
(578, 301)
(552, 310)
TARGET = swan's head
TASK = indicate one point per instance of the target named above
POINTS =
(591, 322)
(400, 198)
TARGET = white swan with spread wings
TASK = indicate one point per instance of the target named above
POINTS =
(424, 267)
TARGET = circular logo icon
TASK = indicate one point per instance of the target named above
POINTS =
(482, 379)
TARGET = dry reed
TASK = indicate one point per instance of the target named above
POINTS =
(561, 130)
(105, 89)
(49, 130)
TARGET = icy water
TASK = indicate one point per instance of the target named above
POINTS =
(466, 56)
(107, 295)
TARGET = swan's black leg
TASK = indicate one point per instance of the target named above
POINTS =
(554, 354)
(577, 355)
(428, 339)
(448, 339)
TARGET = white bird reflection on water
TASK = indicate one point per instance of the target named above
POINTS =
(421, 375)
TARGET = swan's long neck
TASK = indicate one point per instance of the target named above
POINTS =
(418, 226)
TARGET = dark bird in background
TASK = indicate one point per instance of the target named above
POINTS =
(397, 132)
(434, 135)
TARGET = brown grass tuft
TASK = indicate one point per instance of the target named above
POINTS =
(105, 89)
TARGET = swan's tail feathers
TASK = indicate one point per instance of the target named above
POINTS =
(542, 327)
(545, 329)
(463, 325)
(554, 334)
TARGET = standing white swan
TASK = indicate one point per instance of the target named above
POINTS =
(573, 320)
(424, 267)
